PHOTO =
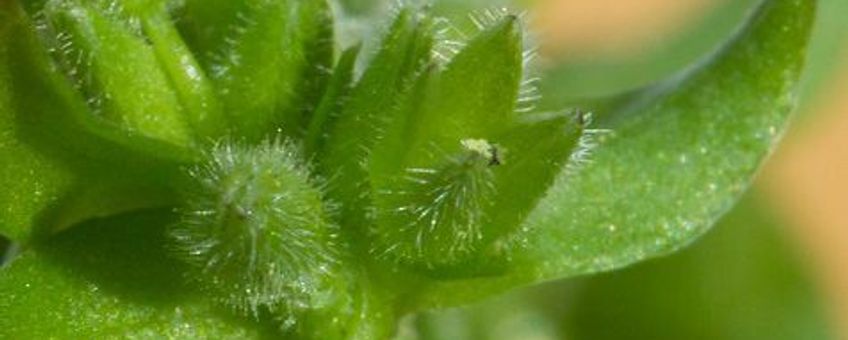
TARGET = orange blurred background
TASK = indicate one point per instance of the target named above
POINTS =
(806, 181)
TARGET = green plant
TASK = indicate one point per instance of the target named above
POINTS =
(211, 169)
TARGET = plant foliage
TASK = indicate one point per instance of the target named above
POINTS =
(319, 199)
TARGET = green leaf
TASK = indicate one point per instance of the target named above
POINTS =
(109, 278)
(745, 280)
(56, 90)
(28, 179)
(678, 156)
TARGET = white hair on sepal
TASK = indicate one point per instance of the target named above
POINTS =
(484, 19)
(396, 7)
(73, 63)
(529, 94)
(226, 57)
(42, 25)
(449, 41)
(114, 9)
(433, 216)
(589, 140)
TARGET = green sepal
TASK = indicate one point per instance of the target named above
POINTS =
(474, 97)
(319, 50)
(199, 102)
(89, 42)
(403, 53)
(532, 155)
(433, 173)
(269, 62)
(332, 101)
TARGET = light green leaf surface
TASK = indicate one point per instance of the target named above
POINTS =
(677, 156)
(109, 278)
(743, 281)
(30, 181)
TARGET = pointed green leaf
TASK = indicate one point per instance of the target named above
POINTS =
(688, 154)
(676, 159)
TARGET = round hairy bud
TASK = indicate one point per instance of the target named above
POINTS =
(255, 229)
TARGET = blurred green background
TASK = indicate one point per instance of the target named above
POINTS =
(768, 270)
